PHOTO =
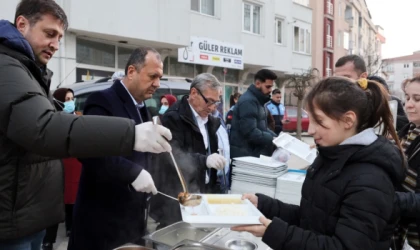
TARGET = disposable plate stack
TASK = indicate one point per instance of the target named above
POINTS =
(255, 175)
(289, 186)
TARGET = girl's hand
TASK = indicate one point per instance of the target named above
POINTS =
(252, 198)
(256, 230)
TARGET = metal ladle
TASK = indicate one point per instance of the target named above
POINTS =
(186, 199)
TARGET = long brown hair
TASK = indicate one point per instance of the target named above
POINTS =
(337, 95)
(233, 97)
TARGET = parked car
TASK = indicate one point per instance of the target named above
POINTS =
(290, 119)
(175, 86)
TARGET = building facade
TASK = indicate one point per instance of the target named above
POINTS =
(101, 35)
(347, 28)
(396, 70)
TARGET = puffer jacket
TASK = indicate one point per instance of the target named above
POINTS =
(347, 201)
(33, 137)
(249, 133)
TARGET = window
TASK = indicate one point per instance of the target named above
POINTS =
(340, 9)
(328, 71)
(346, 40)
(232, 75)
(203, 6)
(123, 55)
(302, 2)
(279, 31)
(302, 40)
(172, 67)
(339, 38)
(329, 37)
(90, 52)
(252, 18)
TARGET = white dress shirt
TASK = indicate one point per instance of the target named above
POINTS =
(138, 105)
(201, 122)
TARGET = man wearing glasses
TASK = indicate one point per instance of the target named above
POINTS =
(249, 134)
(194, 143)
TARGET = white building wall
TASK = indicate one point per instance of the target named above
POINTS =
(168, 24)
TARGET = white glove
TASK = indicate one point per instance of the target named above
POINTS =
(152, 138)
(144, 183)
(216, 161)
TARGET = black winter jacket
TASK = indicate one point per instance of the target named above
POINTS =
(249, 133)
(33, 137)
(347, 201)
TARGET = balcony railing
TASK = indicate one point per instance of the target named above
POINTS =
(330, 8)
(328, 72)
(329, 41)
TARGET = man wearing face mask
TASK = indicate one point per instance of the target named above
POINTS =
(249, 134)
(34, 136)
(166, 101)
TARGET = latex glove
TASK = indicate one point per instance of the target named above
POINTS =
(152, 138)
(216, 161)
(144, 183)
(256, 230)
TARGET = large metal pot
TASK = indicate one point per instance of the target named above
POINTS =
(166, 238)
(132, 247)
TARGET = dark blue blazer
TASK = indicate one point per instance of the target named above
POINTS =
(108, 211)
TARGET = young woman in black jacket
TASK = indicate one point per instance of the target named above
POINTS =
(408, 201)
(348, 194)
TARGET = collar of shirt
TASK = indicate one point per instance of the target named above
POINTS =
(198, 118)
(138, 105)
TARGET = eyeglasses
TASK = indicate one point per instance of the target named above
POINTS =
(208, 102)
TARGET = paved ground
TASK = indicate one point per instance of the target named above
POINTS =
(294, 162)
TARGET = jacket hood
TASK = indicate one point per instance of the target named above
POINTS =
(381, 153)
(12, 38)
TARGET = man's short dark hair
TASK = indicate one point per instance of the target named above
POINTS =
(380, 80)
(138, 57)
(276, 91)
(33, 10)
(265, 74)
(358, 62)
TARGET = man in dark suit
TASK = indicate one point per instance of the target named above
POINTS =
(111, 205)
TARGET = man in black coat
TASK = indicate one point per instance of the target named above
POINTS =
(194, 146)
(110, 209)
(34, 136)
(249, 134)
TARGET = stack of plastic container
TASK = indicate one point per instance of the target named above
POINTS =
(256, 175)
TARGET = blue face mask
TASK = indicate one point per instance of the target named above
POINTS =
(69, 107)
(163, 109)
